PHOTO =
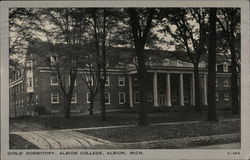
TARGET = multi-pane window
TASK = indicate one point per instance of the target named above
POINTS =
(122, 97)
(54, 97)
(107, 81)
(216, 96)
(226, 82)
(107, 98)
(88, 97)
(174, 96)
(69, 81)
(36, 83)
(226, 96)
(36, 99)
(74, 98)
(121, 81)
(137, 97)
(54, 80)
(90, 80)
(149, 97)
(225, 67)
(30, 82)
(185, 97)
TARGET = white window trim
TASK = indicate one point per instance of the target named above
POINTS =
(37, 100)
(226, 80)
(136, 92)
(90, 79)
(225, 67)
(52, 98)
(74, 94)
(108, 97)
(121, 79)
(124, 97)
(75, 81)
(216, 82)
(51, 79)
(107, 80)
(87, 97)
(226, 98)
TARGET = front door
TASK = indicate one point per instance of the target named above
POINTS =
(162, 98)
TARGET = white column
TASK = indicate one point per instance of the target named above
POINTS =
(130, 91)
(192, 90)
(168, 100)
(155, 87)
(181, 90)
(205, 89)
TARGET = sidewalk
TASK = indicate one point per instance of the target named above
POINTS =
(57, 139)
(71, 139)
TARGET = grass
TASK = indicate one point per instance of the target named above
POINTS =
(115, 118)
(17, 142)
(163, 132)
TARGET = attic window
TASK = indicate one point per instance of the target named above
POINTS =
(225, 67)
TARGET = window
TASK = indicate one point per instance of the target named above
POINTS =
(216, 68)
(69, 81)
(121, 81)
(226, 82)
(36, 99)
(185, 97)
(74, 98)
(174, 96)
(137, 97)
(122, 97)
(225, 67)
(226, 96)
(107, 81)
(88, 97)
(216, 82)
(54, 97)
(216, 96)
(90, 80)
(149, 97)
(36, 83)
(107, 98)
(30, 82)
(54, 80)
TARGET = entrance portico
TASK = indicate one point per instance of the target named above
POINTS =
(168, 89)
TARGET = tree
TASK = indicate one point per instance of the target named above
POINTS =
(229, 21)
(90, 78)
(64, 30)
(188, 27)
(140, 32)
(211, 115)
(104, 24)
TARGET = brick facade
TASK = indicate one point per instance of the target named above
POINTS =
(24, 100)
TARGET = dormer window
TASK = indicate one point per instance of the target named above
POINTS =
(225, 67)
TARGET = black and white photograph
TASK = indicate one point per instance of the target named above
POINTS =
(116, 82)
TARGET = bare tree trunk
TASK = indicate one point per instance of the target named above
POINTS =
(211, 115)
(143, 109)
(234, 87)
(67, 106)
(91, 104)
(102, 96)
(197, 87)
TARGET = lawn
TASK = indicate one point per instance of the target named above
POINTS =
(163, 132)
(17, 142)
(113, 119)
